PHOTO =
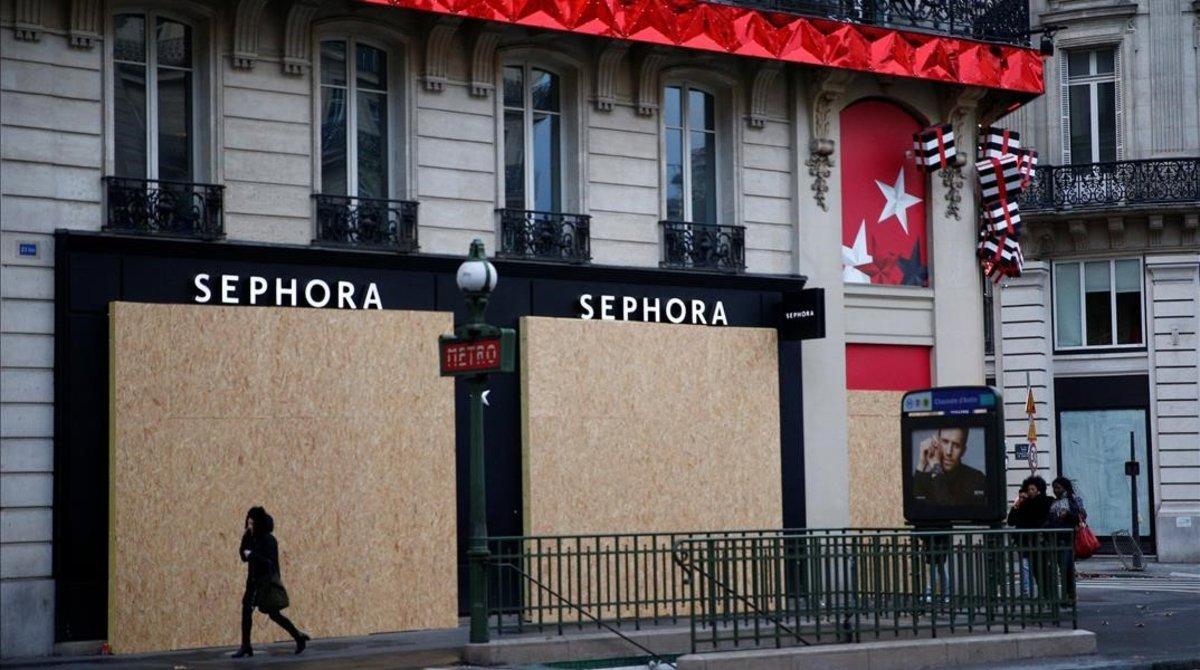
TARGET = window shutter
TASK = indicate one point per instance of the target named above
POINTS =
(1064, 103)
(1118, 101)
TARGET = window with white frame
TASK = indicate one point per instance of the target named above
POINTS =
(1091, 97)
(690, 154)
(1098, 303)
(533, 128)
(356, 119)
(154, 97)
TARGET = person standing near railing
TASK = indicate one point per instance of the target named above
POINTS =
(1030, 510)
(1066, 511)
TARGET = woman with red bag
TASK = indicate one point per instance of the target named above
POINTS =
(1067, 511)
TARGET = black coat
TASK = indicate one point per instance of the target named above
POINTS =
(963, 485)
(1032, 513)
(263, 559)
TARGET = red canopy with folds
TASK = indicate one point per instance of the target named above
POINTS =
(751, 32)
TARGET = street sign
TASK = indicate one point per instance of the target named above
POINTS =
(1021, 452)
(477, 356)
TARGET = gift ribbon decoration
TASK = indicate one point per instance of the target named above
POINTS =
(934, 147)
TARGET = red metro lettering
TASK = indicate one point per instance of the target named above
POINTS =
(471, 356)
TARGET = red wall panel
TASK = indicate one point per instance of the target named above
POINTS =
(887, 367)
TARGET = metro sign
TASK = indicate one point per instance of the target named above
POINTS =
(479, 356)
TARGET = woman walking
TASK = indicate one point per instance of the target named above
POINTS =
(1066, 511)
(264, 589)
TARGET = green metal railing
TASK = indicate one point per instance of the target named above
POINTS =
(556, 583)
(824, 586)
(759, 587)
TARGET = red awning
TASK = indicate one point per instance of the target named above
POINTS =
(751, 32)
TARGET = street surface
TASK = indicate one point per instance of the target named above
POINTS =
(1142, 620)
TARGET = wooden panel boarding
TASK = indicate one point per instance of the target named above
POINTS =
(336, 421)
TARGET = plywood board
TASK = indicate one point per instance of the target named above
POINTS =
(876, 494)
(336, 421)
(638, 427)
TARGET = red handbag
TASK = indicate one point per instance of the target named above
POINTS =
(1086, 544)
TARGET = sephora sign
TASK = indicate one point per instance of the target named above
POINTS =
(658, 310)
(280, 292)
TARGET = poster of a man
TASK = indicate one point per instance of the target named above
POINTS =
(940, 475)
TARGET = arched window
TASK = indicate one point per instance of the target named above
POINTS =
(356, 113)
(690, 153)
(884, 238)
(154, 97)
(533, 130)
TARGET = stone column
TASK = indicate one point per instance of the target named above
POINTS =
(1024, 353)
(819, 213)
(1173, 294)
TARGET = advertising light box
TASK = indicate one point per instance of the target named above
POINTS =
(952, 455)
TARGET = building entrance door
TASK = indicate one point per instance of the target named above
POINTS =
(1094, 448)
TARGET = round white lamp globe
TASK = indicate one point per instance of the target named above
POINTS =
(477, 276)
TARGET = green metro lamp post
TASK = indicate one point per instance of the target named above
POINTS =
(473, 351)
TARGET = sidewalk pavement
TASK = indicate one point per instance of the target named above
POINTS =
(430, 648)
(1111, 566)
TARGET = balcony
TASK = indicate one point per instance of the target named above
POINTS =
(545, 236)
(1120, 185)
(1004, 21)
(370, 223)
(168, 208)
(701, 246)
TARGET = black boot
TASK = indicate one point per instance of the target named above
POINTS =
(243, 652)
(302, 642)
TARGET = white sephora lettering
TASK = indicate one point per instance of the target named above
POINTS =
(286, 292)
(657, 310)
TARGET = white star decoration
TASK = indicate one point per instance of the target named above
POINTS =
(854, 256)
(898, 201)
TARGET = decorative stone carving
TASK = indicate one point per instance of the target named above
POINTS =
(952, 180)
(1078, 231)
(1116, 232)
(1046, 244)
(760, 87)
(437, 52)
(958, 104)
(85, 23)
(820, 167)
(297, 28)
(1154, 229)
(245, 33)
(606, 73)
(27, 20)
(649, 63)
(483, 61)
(825, 89)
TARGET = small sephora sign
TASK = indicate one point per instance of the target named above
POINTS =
(802, 315)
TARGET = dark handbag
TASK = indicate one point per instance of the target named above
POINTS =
(271, 596)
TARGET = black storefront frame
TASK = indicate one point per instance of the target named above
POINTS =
(94, 269)
(1103, 392)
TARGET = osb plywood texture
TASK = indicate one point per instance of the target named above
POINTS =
(336, 421)
(876, 499)
(632, 427)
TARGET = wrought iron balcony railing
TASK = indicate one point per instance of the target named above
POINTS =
(987, 20)
(366, 222)
(1121, 184)
(156, 207)
(545, 236)
(701, 246)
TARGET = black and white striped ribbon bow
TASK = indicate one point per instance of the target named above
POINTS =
(934, 147)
